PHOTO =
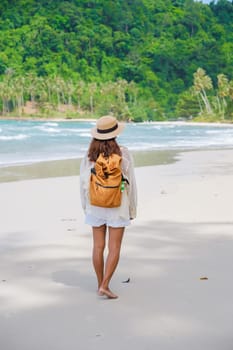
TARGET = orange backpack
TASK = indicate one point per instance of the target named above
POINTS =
(106, 182)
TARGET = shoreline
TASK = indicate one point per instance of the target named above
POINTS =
(165, 122)
(70, 167)
(48, 119)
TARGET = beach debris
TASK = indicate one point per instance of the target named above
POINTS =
(203, 278)
(3, 280)
(163, 192)
(98, 335)
(126, 281)
(68, 219)
(71, 229)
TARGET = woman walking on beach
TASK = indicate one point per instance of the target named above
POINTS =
(107, 216)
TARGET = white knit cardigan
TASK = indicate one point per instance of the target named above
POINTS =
(127, 210)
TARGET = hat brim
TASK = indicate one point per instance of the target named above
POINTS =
(110, 135)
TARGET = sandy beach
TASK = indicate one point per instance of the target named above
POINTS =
(177, 254)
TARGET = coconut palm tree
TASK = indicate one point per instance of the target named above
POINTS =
(231, 89)
(92, 87)
(31, 86)
(79, 88)
(5, 92)
(223, 93)
(69, 91)
(18, 86)
(202, 83)
(133, 90)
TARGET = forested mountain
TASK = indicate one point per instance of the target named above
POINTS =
(136, 58)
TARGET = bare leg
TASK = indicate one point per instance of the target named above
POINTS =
(99, 234)
(114, 246)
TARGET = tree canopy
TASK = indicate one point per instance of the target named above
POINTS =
(150, 49)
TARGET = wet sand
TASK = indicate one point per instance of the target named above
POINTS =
(70, 167)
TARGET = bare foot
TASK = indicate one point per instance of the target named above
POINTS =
(107, 292)
(100, 293)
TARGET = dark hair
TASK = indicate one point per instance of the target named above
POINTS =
(107, 147)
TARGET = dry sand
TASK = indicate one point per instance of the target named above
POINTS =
(184, 232)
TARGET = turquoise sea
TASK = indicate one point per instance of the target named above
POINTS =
(25, 142)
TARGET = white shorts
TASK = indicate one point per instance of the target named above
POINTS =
(96, 222)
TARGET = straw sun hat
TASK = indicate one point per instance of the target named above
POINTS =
(106, 128)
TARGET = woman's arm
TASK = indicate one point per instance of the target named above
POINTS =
(85, 172)
(128, 171)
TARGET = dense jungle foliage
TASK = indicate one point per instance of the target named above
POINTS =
(138, 59)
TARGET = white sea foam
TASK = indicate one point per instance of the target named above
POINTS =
(50, 130)
(215, 131)
(227, 140)
(47, 129)
(143, 146)
(220, 132)
(169, 126)
(76, 130)
(156, 127)
(51, 124)
(15, 137)
(84, 134)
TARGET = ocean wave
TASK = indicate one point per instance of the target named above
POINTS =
(51, 124)
(157, 127)
(75, 130)
(48, 129)
(180, 144)
(224, 141)
(169, 126)
(52, 130)
(143, 146)
(16, 137)
(85, 134)
(62, 131)
(210, 132)
(220, 132)
(51, 140)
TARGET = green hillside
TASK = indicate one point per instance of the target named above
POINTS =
(134, 58)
